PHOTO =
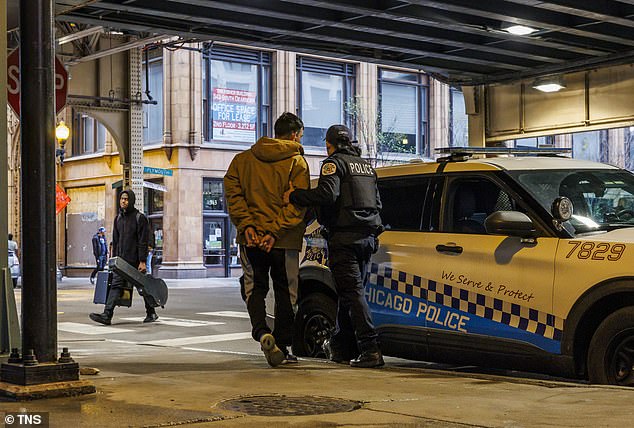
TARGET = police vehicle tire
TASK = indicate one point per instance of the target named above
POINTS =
(314, 320)
(611, 350)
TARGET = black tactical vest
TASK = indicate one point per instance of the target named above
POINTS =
(356, 208)
(358, 187)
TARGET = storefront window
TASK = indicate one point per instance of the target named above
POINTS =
(324, 87)
(236, 98)
(403, 113)
(153, 113)
(213, 241)
(153, 198)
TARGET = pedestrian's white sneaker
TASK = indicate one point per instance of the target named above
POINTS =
(274, 356)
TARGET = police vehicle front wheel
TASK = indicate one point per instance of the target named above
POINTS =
(611, 351)
(314, 321)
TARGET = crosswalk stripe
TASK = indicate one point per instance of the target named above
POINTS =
(228, 314)
(180, 322)
(75, 327)
(199, 339)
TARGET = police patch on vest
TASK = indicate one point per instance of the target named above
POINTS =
(328, 168)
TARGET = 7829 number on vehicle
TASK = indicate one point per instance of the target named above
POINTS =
(596, 251)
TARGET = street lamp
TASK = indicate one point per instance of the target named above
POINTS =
(61, 133)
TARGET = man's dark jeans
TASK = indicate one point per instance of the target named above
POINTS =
(256, 266)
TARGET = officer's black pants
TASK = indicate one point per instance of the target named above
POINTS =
(283, 264)
(348, 259)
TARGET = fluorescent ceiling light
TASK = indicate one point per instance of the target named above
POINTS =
(549, 84)
(520, 30)
(549, 87)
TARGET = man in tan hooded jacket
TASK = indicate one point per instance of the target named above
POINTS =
(270, 233)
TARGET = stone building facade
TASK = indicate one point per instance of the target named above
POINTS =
(213, 101)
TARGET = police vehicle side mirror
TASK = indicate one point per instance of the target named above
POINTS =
(510, 223)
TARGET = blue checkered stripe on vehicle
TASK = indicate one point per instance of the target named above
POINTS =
(511, 314)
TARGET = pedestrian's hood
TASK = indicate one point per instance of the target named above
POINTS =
(272, 149)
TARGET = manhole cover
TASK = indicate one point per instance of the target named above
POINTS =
(281, 405)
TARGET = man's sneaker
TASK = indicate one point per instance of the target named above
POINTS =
(100, 318)
(368, 359)
(288, 357)
(151, 317)
(274, 356)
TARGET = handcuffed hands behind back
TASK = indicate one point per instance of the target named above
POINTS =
(259, 239)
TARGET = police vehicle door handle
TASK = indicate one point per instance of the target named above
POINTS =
(449, 249)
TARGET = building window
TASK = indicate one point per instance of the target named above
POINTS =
(153, 113)
(324, 89)
(546, 141)
(236, 94)
(459, 122)
(590, 145)
(629, 148)
(89, 135)
(403, 112)
(213, 195)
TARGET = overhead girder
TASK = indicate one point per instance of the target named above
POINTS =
(460, 40)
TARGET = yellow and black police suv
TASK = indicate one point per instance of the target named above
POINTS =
(521, 262)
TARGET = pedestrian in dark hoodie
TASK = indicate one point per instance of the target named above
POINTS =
(130, 242)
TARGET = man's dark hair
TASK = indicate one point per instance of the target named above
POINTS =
(10, 236)
(286, 124)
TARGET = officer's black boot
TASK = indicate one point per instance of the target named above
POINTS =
(368, 359)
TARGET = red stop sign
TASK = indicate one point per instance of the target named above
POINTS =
(13, 82)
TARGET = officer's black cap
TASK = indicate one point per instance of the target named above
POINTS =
(339, 133)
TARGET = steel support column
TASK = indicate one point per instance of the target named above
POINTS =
(4, 181)
(37, 89)
(133, 172)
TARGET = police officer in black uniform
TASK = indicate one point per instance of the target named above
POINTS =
(349, 204)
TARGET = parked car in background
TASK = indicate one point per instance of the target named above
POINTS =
(512, 262)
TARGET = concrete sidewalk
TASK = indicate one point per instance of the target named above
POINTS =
(151, 386)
